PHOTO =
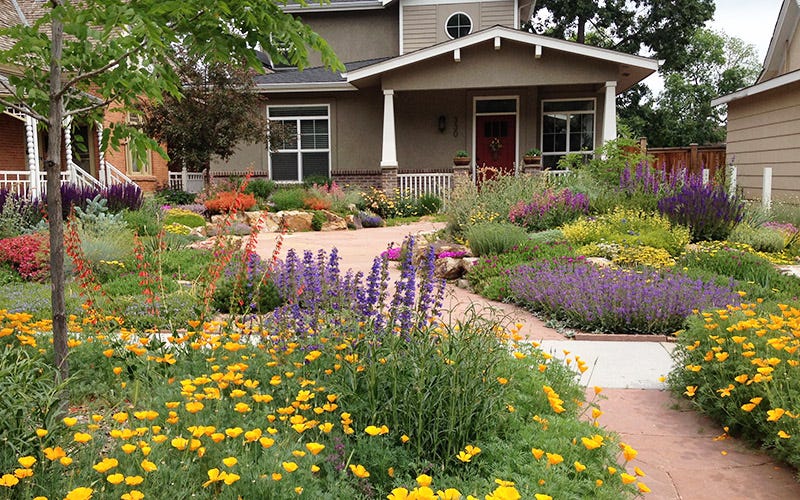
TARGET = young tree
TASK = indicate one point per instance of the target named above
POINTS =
(653, 27)
(217, 110)
(80, 57)
(682, 114)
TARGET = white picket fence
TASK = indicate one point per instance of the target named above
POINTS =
(416, 185)
(191, 182)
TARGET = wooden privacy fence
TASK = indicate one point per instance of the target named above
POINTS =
(693, 158)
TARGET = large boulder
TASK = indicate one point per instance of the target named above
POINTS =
(296, 221)
(448, 268)
(334, 222)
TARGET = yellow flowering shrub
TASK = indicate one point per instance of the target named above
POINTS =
(628, 227)
(176, 228)
(643, 256)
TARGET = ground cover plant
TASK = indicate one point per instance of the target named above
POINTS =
(346, 403)
(738, 364)
(614, 300)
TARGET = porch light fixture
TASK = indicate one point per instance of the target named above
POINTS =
(442, 123)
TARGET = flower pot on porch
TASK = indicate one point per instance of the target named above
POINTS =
(532, 160)
(461, 161)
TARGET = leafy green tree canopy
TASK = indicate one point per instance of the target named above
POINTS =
(217, 110)
(79, 57)
(649, 27)
(681, 114)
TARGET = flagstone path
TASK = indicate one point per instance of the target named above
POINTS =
(677, 446)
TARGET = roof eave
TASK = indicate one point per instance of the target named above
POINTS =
(510, 34)
(305, 87)
(758, 88)
(337, 7)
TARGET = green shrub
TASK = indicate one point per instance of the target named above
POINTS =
(144, 222)
(317, 220)
(261, 188)
(546, 236)
(185, 263)
(316, 180)
(8, 274)
(29, 402)
(762, 239)
(755, 275)
(169, 196)
(292, 198)
(629, 228)
(184, 217)
(489, 276)
(259, 298)
(129, 285)
(428, 204)
(174, 310)
(494, 237)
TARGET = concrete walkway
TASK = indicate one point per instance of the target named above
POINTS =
(677, 446)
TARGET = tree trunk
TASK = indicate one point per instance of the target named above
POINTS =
(53, 169)
(581, 36)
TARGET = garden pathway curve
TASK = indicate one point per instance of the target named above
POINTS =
(677, 446)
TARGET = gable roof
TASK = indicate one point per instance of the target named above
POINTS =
(785, 28)
(758, 88)
(642, 66)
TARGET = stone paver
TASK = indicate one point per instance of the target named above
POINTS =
(677, 446)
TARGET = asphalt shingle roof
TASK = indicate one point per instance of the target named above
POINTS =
(317, 74)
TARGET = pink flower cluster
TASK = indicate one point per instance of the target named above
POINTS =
(28, 254)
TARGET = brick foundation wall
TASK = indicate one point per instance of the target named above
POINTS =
(13, 154)
(360, 179)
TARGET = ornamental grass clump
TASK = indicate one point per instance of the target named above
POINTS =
(549, 209)
(739, 365)
(489, 238)
(614, 300)
(707, 210)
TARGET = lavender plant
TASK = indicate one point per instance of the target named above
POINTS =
(708, 211)
(549, 209)
(314, 286)
(613, 300)
(123, 197)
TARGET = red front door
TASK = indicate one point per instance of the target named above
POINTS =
(495, 144)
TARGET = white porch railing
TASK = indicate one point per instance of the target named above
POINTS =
(192, 183)
(116, 176)
(16, 181)
(416, 185)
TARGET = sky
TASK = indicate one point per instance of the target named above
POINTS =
(751, 20)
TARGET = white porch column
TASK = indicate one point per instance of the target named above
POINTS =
(610, 112)
(71, 174)
(389, 150)
(105, 179)
(32, 145)
(184, 179)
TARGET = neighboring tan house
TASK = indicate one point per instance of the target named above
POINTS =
(764, 119)
(425, 78)
(23, 143)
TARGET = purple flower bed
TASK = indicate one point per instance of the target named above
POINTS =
(313, 288)
(613, 300)
(706, 209)
(648, 180)
(549, 209)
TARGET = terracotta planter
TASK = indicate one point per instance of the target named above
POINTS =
(532, 160)
(461, 161)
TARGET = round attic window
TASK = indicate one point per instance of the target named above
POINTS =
(458, 25)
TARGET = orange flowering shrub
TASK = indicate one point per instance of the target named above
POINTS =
(227, 201)
(312, 202)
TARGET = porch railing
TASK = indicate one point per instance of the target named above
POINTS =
(194, 181)
(16, 181)
(416, 185)
(115, 175)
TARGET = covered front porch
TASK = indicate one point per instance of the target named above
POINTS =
(495, 94)
(23, 150)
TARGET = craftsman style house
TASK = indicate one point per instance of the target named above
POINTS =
(425, 78)
(764, 119)
(23, 142)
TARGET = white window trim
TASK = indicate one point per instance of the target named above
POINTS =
(299, 150)
(576, 112)
(471, 24)
(475, 116)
